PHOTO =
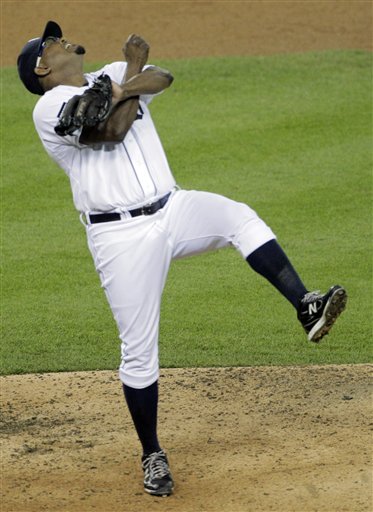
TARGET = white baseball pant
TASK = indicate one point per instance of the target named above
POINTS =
(132, 257)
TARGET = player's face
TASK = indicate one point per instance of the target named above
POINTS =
(59, 51)
(55, 42)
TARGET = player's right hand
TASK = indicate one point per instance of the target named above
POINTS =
(136, 50)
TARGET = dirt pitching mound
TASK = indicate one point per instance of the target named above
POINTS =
(238, 439)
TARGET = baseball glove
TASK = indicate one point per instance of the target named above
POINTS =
(88, 109)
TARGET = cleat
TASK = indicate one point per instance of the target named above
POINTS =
(318, 313)
(157, 476)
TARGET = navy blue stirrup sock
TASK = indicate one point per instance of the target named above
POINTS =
(143, 405)
(271, 262)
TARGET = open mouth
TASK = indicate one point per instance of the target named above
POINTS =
(74, 48)
(79, 50)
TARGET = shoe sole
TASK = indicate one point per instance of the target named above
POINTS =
(160, 493)
(333, 308)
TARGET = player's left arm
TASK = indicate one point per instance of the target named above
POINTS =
(125, 96)
(152, 80)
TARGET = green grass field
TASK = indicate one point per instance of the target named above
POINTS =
(290, 135)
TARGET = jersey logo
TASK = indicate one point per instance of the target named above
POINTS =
(140, 113)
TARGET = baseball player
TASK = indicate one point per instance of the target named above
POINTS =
(136, 218)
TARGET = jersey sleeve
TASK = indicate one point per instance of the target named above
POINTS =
(63, 150)
(47, 111)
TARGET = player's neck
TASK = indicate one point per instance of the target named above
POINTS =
(76, 79)
(73, 79)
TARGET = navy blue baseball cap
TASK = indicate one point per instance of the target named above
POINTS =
(28, 58)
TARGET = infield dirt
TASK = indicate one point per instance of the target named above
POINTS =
(292, 439)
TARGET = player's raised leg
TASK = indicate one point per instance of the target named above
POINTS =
(212, 221)
(316, 312)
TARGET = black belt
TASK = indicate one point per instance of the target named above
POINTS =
(148, 209)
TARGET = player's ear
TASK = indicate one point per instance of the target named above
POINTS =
(42, 71)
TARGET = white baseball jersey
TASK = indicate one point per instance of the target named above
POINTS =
(109, 177)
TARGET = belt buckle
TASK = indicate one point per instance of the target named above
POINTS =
(146, 209)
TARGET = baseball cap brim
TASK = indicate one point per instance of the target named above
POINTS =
(28, 57)
(52, 29)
